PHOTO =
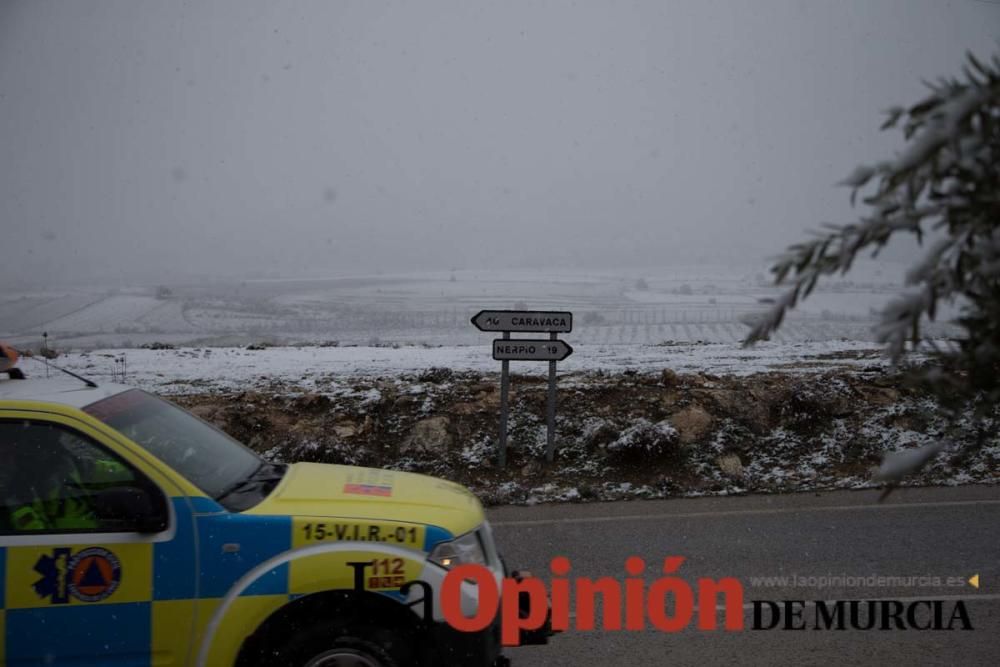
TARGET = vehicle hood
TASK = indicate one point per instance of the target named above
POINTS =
(336, 491)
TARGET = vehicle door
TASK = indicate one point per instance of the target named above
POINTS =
(96, 549)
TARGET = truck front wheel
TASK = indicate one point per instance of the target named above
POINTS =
(326, 645)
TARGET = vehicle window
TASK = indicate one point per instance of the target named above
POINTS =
(207, 457)
(56, 480)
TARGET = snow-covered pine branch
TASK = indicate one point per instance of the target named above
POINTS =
(945, 183)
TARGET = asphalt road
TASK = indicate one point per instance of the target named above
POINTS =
(940, 532)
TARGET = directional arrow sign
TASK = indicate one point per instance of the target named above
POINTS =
(530, 350)
(524, 320)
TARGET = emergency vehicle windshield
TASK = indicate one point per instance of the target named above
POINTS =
(211, 460)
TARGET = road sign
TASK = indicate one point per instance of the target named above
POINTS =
(507, 349)
(524, 320)
(523, 349)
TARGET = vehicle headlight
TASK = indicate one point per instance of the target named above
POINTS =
(464, 550)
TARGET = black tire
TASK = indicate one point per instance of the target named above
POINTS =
(334, 645)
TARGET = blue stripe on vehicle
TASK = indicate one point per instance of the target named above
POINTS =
(230, 545)
(174, 562)
(434, 536)
(274, 582)
(90, 634)
(205, 505)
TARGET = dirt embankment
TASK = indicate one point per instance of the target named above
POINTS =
(618, 436)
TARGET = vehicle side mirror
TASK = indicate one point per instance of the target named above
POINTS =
(133, 507)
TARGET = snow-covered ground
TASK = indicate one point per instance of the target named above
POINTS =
(698, 303)
(320, 368)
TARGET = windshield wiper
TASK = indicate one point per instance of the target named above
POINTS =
(266, 473)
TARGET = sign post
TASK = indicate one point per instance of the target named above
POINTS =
(504, 389)
(550, 435)
(507, 349)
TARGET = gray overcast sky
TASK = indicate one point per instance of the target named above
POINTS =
(151, 140)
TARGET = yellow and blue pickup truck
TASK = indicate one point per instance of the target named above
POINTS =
(134, 533)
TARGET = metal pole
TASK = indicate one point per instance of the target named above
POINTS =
(504, 386)
(550, 443)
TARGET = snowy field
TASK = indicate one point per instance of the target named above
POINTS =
(700, 303)
(323, 369)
